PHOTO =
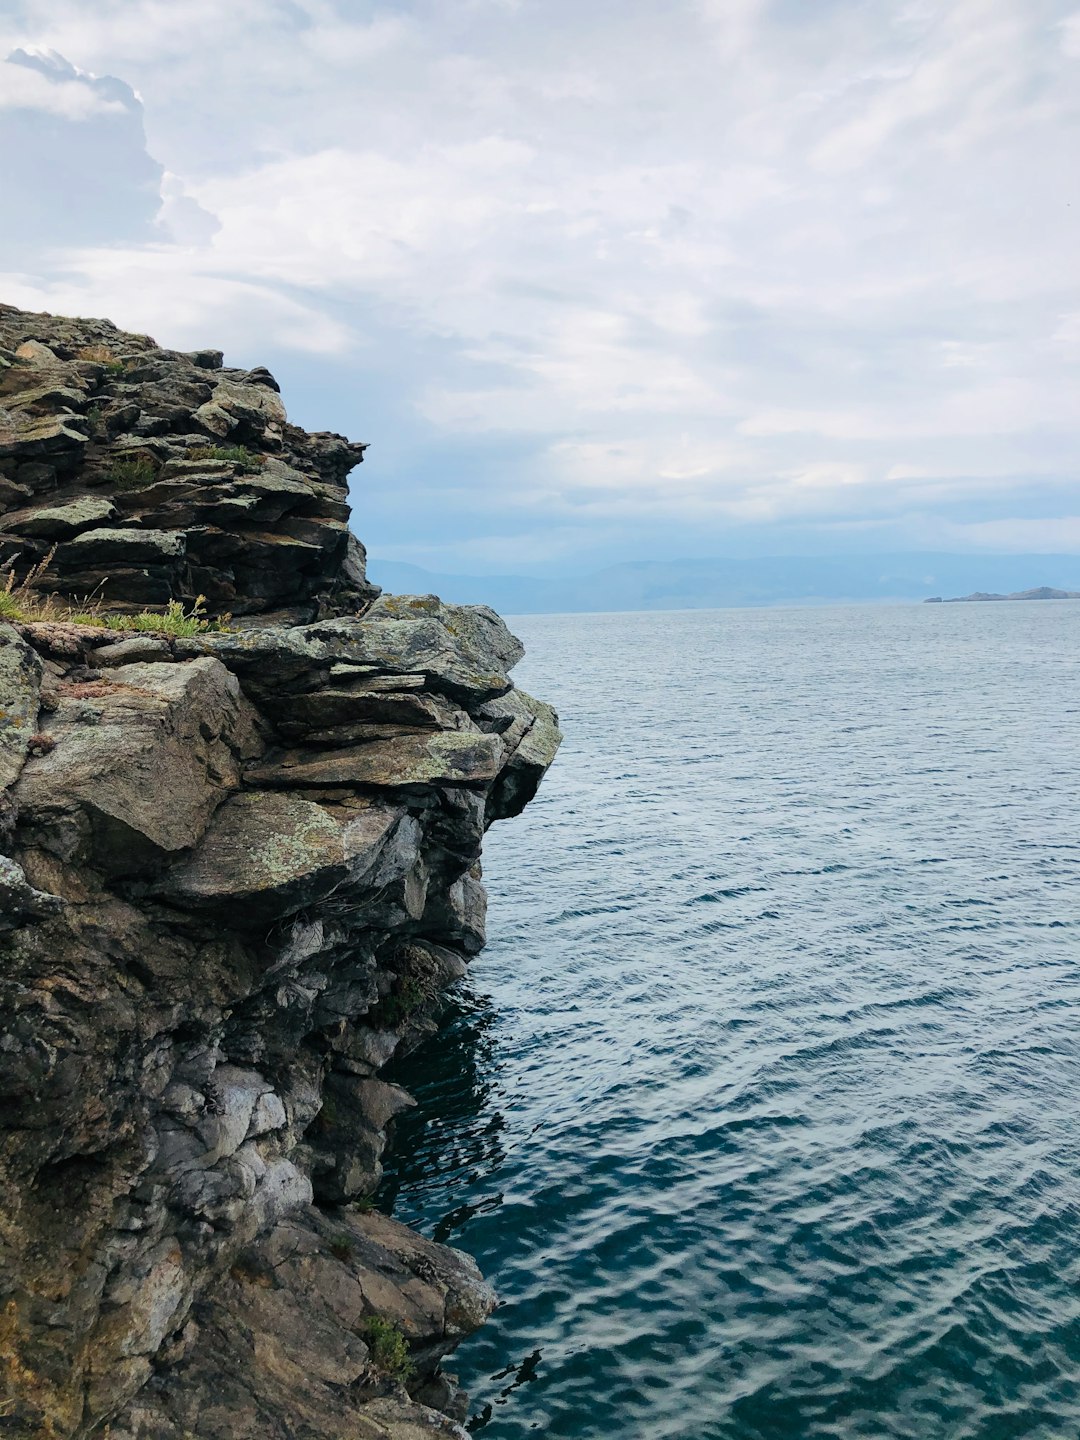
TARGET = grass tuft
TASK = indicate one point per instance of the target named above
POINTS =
(174, 620)
(247, 461)
(131, 474)
(19, 601)
(101, 355)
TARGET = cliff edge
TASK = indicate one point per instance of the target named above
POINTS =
(239, 859)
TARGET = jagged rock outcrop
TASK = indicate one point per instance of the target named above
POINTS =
(236, 869)
(143, 475)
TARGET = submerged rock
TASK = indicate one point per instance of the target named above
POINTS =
(236, 870)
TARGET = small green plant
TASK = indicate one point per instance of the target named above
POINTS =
(328, 1116)
(174, 620)
(10, 608)
(96, 416)
(341, 1249)
(20, 601)
(401, 1002)
(132, 473)
(386, 1343)
(247, 461)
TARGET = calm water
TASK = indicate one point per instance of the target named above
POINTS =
(762, 1109)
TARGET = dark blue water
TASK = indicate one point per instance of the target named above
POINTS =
(762, 1109)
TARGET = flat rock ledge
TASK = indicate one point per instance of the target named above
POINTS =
(237, 870)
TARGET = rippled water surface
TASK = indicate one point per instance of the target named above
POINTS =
(762, 1108)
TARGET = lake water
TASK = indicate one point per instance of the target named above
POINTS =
(762, 1108)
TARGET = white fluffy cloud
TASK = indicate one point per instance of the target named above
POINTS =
(70, 95)
(738, 262)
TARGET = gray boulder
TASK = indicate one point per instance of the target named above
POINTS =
(464, 651)
(266, 855)
(124, 547)
(350, 1135)
(142, 757)
(530, 733)
(58, 522)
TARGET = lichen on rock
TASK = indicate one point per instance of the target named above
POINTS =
(236, 870)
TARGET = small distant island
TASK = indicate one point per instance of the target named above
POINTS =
(1043, 592)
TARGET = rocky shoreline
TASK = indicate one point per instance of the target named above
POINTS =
(238, 865)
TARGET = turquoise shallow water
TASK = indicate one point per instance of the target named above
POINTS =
(762, 1108)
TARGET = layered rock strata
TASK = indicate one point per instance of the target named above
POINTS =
(237, 868)
(140, 475)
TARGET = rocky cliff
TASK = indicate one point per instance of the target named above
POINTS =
(238, 862)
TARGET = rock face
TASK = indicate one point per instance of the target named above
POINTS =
(236, 870)
(144, 475)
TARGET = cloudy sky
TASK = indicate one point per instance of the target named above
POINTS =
(598, 279)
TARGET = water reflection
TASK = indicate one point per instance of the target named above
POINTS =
(524, 1374)
(452, 1143)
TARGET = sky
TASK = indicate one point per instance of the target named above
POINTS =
(596, 279)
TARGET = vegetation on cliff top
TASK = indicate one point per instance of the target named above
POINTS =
(19, 602)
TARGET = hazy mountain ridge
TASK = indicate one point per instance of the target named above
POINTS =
(720, 583)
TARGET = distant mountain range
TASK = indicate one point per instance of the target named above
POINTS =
(1044, 592)
(719, 583)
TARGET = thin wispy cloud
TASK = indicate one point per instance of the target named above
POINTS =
(701, 275)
